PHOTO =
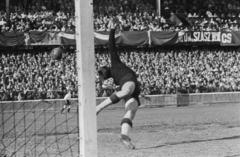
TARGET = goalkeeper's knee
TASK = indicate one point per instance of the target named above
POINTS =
(114, 98)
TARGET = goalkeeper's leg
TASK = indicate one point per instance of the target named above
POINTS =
(126, 91)
(131, 107)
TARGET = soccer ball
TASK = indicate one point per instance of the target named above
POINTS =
(56, 53)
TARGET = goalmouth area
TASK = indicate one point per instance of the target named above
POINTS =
(37, 128)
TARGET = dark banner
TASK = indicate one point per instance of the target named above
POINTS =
(200, 37)
(230, 38)
(136, 38)
(43, 38)
(164, 38)
(12, 39)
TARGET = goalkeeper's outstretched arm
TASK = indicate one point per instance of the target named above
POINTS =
(112, 44)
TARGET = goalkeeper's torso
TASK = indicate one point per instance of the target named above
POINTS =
(122, 74)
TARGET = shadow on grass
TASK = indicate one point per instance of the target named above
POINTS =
(191, 141)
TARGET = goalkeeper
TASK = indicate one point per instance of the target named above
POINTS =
(130, 88)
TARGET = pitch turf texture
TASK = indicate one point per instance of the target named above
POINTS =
(196, 131)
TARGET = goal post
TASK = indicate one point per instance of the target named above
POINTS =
(86, 78)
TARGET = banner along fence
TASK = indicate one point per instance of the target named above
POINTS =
(124, 38)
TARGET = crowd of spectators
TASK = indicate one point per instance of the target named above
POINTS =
(32, 74)
(134, 15)
(181, 70)
(25, 74)
(29, 75)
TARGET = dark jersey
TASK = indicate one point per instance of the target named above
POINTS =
(119, 71)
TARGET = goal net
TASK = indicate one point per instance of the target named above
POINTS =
(38, 128)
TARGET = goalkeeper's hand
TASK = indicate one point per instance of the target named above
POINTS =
(114, 23)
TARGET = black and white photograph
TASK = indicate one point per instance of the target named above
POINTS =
(119, 78)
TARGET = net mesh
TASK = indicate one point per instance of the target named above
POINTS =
(38, 128)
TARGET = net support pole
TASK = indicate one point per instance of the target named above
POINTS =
(86, 78)
(158, 2)
(7, 10)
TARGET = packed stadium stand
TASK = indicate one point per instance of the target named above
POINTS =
(134, 15)
(27, 74)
